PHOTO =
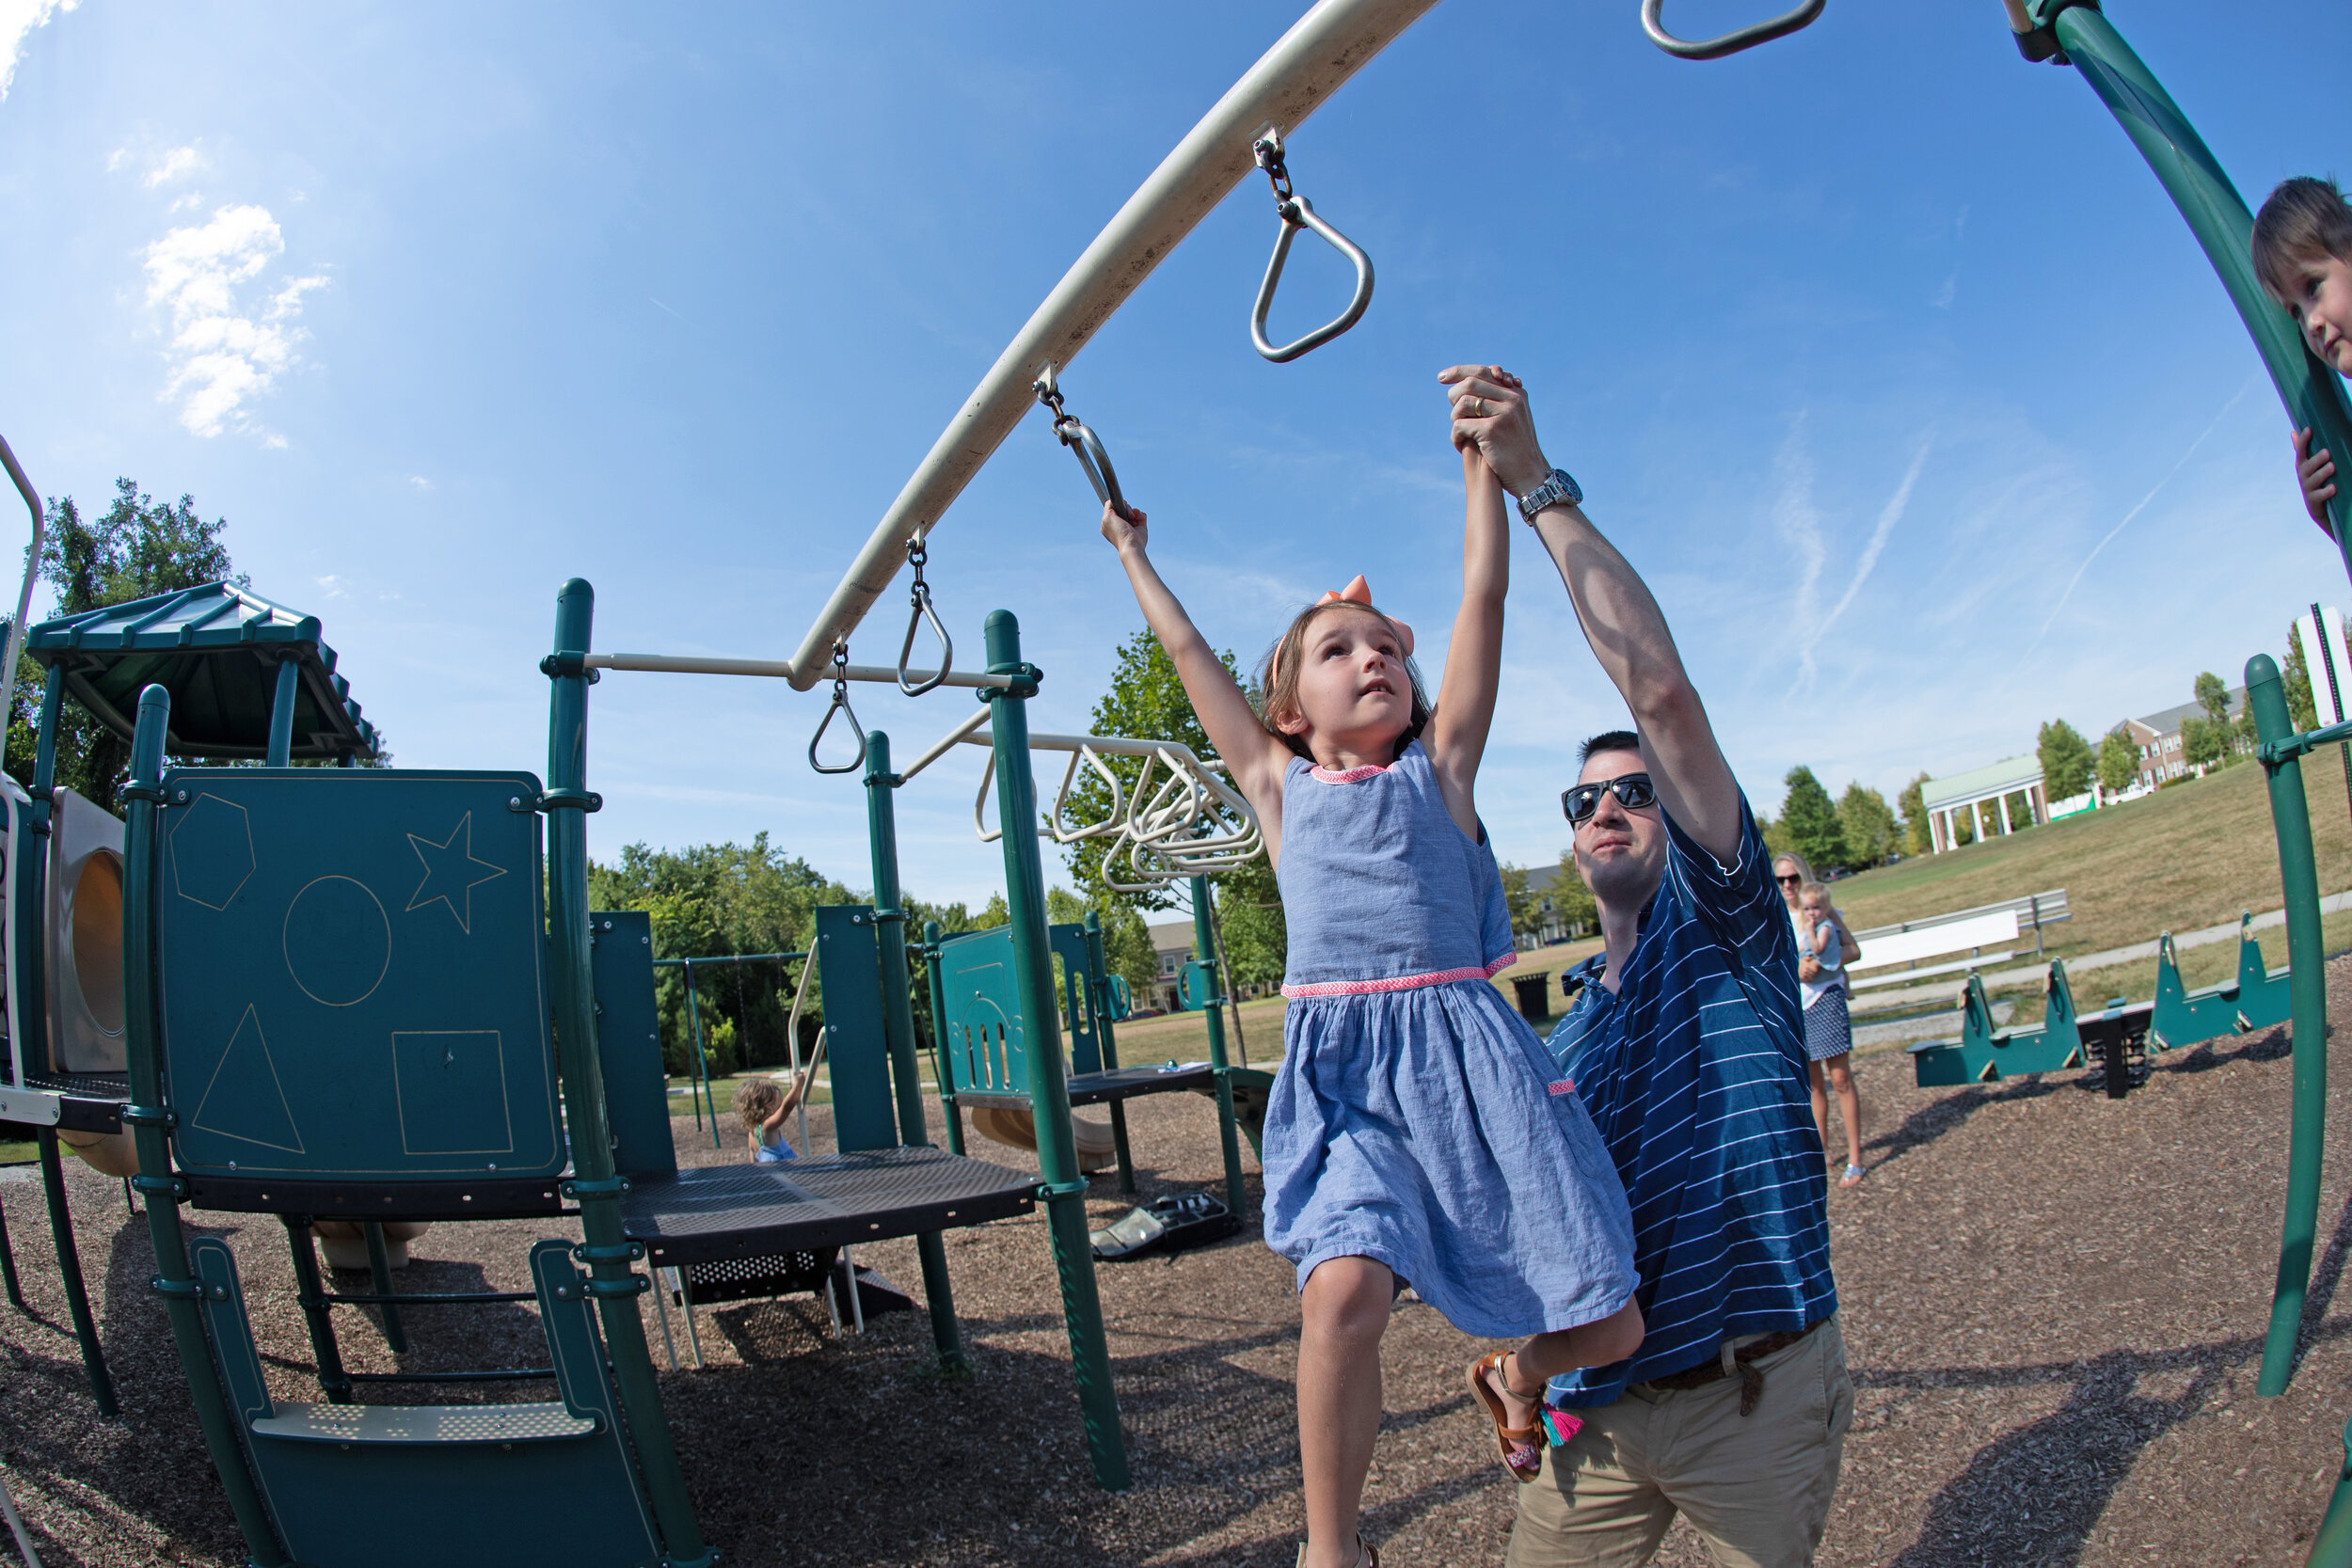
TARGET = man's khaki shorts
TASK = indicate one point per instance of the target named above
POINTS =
(1757, 1488)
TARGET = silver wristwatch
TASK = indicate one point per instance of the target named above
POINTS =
(1557, 490)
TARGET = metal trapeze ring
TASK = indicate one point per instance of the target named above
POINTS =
(1084, 444)
(1297, 212)
(840, 705)
(922, 609)
(1653, 23)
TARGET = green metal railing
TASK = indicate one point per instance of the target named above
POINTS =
(700, 1092)
(2281, 753)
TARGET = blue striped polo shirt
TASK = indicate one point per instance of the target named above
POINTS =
(1694, 1073)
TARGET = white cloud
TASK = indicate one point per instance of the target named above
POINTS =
(172, 165)
(18, 18)
(332, 586)
(226, 346)
(421, 483)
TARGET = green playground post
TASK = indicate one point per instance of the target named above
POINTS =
(595, 1183)
(890, 938)
(281, 712)
(148, 1114)
(2217, 216)
(931, 934)
(2307, 988)
(1064, 1188)
(1204, 942)
(1098, 991)
(2332, 1543)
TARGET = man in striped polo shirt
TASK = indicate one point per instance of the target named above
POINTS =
(1687, 1048)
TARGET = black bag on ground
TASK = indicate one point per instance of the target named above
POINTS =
(1169, 1224)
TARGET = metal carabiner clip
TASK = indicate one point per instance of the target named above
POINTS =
(920, 599)
(1085, 444)
(1297, 212)
(840, 705)
(1653, 23)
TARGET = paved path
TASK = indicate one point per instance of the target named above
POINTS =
(2139, 952)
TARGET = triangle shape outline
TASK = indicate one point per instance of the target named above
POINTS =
(261, 1043)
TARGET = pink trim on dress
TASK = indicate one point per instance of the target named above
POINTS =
(1374, 987)
(1495, 966)
(1565, 1085)
(1353, 775)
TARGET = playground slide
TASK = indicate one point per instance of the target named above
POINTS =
(1018, 1130)
(110, 1152)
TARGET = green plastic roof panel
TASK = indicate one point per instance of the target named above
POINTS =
(216, 650)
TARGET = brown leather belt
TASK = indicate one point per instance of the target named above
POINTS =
(1740, 1361)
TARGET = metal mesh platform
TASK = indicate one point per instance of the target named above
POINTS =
(702, 1215)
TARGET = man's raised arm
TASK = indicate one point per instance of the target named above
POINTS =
(1621, 620)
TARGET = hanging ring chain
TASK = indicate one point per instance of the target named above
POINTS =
(921, 609)
(840, 705)
(1267, 150)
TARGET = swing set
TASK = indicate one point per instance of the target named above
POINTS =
(508, 956)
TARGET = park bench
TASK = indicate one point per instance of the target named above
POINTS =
(2256, 998)
(1971, 931)
(2112, 1039)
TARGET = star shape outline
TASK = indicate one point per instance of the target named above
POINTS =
(461, 907)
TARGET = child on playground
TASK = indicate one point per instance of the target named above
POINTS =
(2303, 255)
(1828, 1029)
(763, 1107)
(1418, 1132)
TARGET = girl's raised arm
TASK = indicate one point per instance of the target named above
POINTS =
(1457, 736)
(1255, 759)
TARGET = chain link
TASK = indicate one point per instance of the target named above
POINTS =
(1267, 150)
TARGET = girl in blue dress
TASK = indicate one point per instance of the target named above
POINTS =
(1419, 1133)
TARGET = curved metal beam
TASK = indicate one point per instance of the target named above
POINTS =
(1307, 65)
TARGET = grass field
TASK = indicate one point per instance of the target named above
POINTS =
(2187, 857)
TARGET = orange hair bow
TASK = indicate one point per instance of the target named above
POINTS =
(1356, 593)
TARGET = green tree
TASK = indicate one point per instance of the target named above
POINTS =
(1918, 836)
(139, 547)
(1249, 909)
(2302, 711)
(1572, 902)
(1521, 902)
(2201, 740)
(2212, 695)
(1866, 823)
(727, 898)
(2118, 760)
(2067, 761)
(1810, 820)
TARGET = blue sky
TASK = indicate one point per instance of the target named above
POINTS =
(1861, 345)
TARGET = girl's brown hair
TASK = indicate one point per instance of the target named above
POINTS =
(2304, 220)
(755, 1100)
(1278, 678)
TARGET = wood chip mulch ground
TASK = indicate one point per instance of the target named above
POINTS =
(2053, 1301)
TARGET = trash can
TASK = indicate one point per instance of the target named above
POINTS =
(1533, 992)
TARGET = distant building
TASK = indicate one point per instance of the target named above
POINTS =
(1998, 798)
(1171, 942)
(2158, 739)
(1551, 924)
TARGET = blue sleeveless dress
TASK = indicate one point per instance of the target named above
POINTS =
(1417, 1119)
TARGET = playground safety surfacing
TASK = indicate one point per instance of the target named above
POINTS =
(2053, 1303)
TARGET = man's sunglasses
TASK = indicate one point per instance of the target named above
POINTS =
(1633, 791)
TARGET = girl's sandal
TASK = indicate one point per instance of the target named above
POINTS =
(1521, 1448)
(1852, 1176)
(1367, 1555)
